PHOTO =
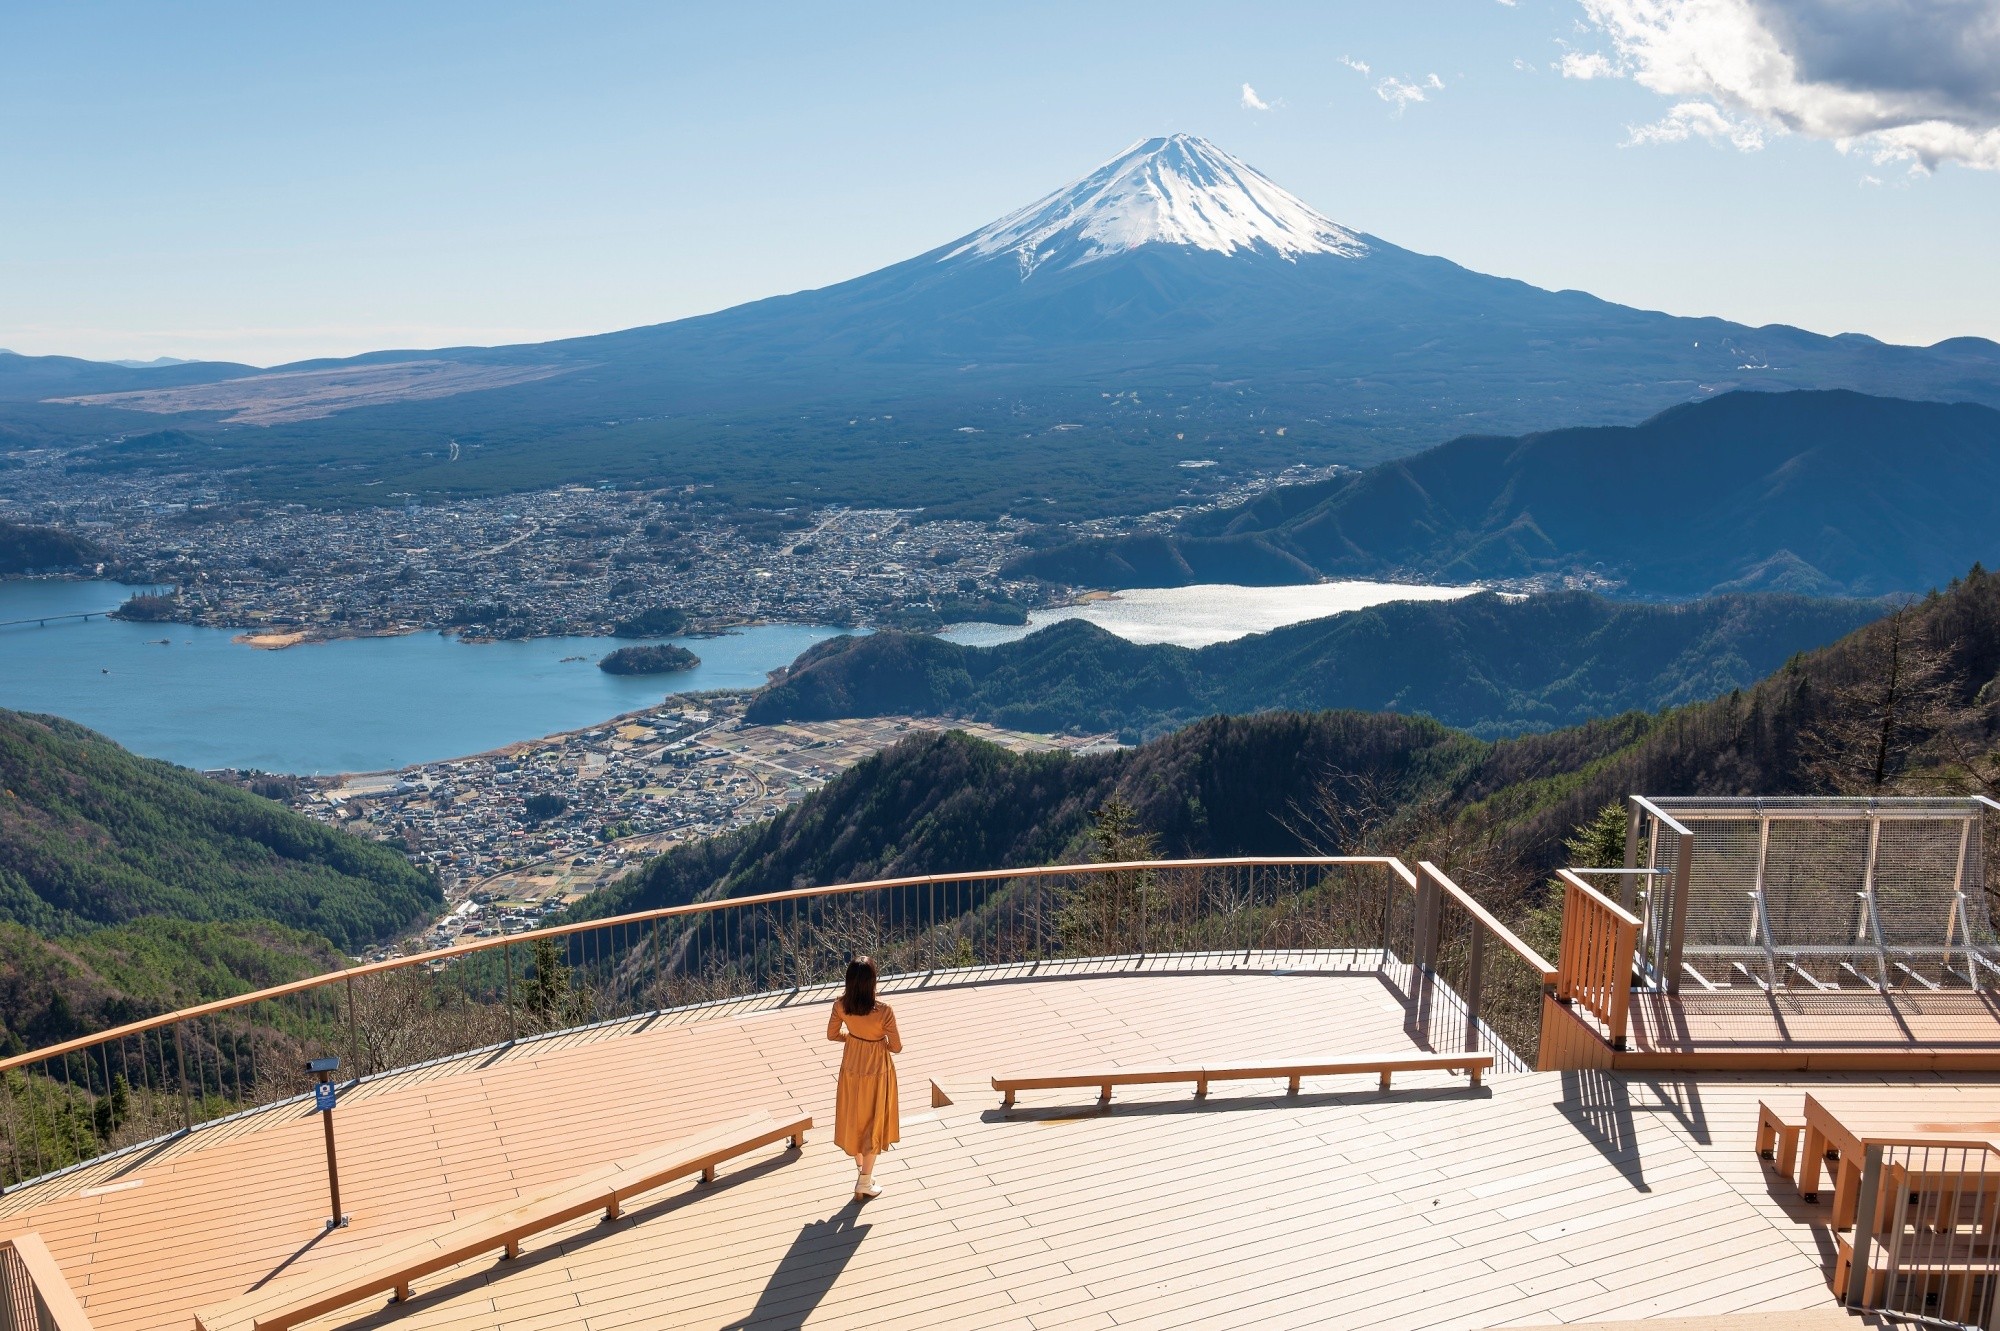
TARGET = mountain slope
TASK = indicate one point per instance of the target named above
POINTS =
(1818, 492)
(1286, 782)
(1172, 305)
(25, 549)
(1485, 664)
(92, 835)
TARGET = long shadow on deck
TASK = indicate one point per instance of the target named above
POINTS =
(470, 1277)
(806, 1272)
(1600, 1105)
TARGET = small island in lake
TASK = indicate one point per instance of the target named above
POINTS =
(653, 660)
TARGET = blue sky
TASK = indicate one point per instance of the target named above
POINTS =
(268, 182)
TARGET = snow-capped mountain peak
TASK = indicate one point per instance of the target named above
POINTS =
(1180, 190)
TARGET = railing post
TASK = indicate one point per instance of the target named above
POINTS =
(1423, 953)
(180, 1075)
(353, 1032)
(1864, 1228)
(513, 1030)
(1475, 981)
(1388, 912)
(1677, 931)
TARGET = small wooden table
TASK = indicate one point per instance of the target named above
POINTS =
(1843, 1123)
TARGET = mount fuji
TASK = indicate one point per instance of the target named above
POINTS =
(1171, 321)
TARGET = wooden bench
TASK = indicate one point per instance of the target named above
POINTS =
(502, 1228)
(1778, 1138)
(1382, 1065)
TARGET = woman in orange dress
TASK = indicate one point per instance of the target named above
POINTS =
(864, 1107)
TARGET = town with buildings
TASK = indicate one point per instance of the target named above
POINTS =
(520, 833)
(577, 560)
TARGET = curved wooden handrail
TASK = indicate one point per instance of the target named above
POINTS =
(350, 973)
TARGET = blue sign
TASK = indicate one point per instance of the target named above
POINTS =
(323, 1096)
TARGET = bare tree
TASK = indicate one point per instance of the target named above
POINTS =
(1872, 729)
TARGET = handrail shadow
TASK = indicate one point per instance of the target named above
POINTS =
(819, 1253)
(1599, 1104)
(474, 1277)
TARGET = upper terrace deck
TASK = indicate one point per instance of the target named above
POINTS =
(492, 1072)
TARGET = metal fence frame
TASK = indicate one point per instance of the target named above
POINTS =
(1660, 860)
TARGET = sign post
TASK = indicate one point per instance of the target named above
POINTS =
(325, 1094)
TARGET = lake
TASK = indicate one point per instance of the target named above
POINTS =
(355, 705)
(1209, 612)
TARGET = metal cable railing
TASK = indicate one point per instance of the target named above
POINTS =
(166, 1074)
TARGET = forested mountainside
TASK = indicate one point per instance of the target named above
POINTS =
(1487, 664)
(1824, 493)
(1910, 702)
(126, 882)
(25, 549)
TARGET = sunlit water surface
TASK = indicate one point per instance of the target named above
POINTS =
(195, 696)
(1209, 612)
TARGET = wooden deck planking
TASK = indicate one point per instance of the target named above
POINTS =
(1855, 1030)
(1431, 1206)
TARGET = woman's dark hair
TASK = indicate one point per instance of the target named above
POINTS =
(859, 1000)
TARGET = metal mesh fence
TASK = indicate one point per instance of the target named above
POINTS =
(1817, 892)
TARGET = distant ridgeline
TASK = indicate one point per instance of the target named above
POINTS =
(43, 549)
(1486, 664)
(129, 885)
(1909, 703)
(1826, 493)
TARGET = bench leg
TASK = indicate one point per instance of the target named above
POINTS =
(798, 1140)
(1787, 1148)
(1201, 1088)
(708, 1173)
(1104, 1095)
(1475, 1075)
(511, 1251)
(1812, 1157)
(1385, 1079)
(402, 1294)
(1293, 1089)
(1008, 1102)
(613, 1211)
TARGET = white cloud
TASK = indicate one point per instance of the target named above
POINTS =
(1698, 119)
(1912, 80)
(1434, 82)
(1591, 65)
(1252, 102)
(1398, 93)
(1525, 67)
(1358, 66)
(1871, 180)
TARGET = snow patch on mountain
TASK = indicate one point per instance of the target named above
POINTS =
(1181, 190)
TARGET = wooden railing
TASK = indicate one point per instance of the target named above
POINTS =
(1292, 1072)
(1599, 941)
(502, 1229)
(169, 1073)
(33, 1294)
(1469, 978)
(1925, 1239)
